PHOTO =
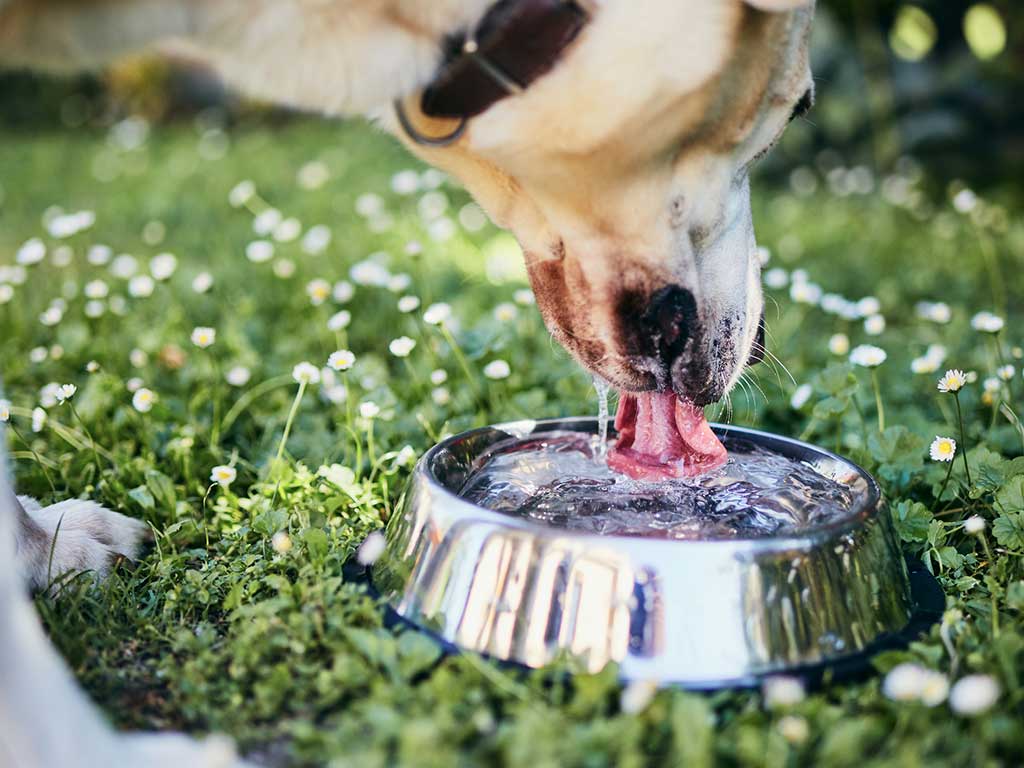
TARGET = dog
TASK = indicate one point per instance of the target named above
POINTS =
(612, 138)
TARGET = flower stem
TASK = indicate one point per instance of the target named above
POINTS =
(878, 401)
(291, 418)
(949, 473)
(39, 461)
(963, 438)
(461, 358)
(88, 434)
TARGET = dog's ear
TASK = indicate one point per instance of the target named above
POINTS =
(777, 6)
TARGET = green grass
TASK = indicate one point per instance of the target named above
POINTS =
(216, 630)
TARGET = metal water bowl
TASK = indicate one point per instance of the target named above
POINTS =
(700, 613)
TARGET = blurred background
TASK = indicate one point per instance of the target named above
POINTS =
(939, 81)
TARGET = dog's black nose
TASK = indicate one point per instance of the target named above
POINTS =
(671, 318)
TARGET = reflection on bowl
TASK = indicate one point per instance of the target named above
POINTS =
(698, 612)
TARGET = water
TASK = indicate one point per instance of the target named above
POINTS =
(602, 388)
(561, 479)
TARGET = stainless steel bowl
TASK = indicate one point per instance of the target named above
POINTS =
(699, 613)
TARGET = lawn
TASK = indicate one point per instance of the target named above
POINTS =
(238, 618)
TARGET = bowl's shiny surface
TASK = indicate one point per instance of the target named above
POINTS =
(691, 612)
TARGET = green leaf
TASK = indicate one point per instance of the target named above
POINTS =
(1009, 530)
(1010, 497)
(912, 520)
(416, 652)
(142, 497)
(316, 543)
(162, 488)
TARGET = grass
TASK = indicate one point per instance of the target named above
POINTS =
(239, 619)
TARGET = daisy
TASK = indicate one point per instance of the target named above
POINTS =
(369, 409)
(223, 475)
(141, 286)
(281, 542)
(134, 384)
(904, 682)
(472, 217)
(437, 314)
(524, 297)
(202, 282)
(868, 356)
(793, 729)
(1006, 372)
(874, 325)
(782, 691)
(839, 344)
(408, 304)
(869, 306)
(284, 268)
(369, 272)
(805, 293)
(343, 292)
(497, 369)
(776, 278)
(259, 251)
(238, 376)
(163, 266)
(306, 373)
(986, 322)
(31, 252)
(124, 266)
(339, 321)
(341, 360)
(265, 222)
(441, 396)
(318, 291)
(438, 377)
(96, 289)
(405, 183)
(51, 317)
(313, 175)
(505, 312)
(800, 397)
(5, 410)
(99, 255)
(6, 293)
(952, 381)
(143, 400)
(973, 695)
(974, 524)
(38, 354)
(398, 283)
(288, 230)
(369, 204)
(241, 193)
(402, 346)
(942, 449)
(204, 337)
(38, 419)
(92, 366)
(371, 549)
(316, 240)
(65, 392)
(138, 357)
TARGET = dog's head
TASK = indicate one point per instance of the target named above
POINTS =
(623, 173)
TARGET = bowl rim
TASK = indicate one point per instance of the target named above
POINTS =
(870, 504)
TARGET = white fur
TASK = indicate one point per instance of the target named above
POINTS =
(45, 719)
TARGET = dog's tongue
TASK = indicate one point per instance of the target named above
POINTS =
(662, 435)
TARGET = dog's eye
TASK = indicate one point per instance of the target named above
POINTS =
(803, 106)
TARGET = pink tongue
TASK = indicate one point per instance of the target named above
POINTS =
(662, 435)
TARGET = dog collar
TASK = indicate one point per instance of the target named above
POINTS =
(515, 43)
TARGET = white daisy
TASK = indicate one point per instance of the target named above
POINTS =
(952, 380)
(241, 193)
(316, 240)
(497, 369)
(868, 356)
(874, 325)
(782, 691)
(369, 409)
(238, 376)
(5, 410)
(904, 682)
(306, 373)
(402, 346)
(65, 392)
(339, 321)
(318, 291)
(506, 312)
(1006, 372)
(202, 282)
(281, 542)
(441, 396)
(371, 549)
(524, 297)
(800, 396)
(143, 400)
(341, 360)
(408, 304)
(163, 266)
(259, 251)
(437, 314)
(343, 292)
(38, 419)
(265, 222)
(973, 695)
(942, 449)
(839, 344)
(974, 524)
(204, 337)
(986, 322)
(141, 286)
(223, 475)
(438, 377)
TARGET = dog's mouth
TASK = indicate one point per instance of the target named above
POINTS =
(661, 436)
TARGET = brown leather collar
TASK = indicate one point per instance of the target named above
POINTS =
(515, 43)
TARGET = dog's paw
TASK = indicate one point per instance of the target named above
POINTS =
(73, 536)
